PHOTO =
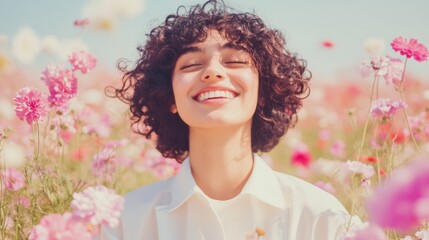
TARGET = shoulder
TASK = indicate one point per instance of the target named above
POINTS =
(303, 193)
(147, 194)
(317, 208)
(140, 203)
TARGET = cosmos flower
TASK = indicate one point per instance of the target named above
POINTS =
(385, 107)
(400, 202)
(82, 61)
(30, 105)
(62, 85)
(56, 226)
(389, 68)
(301, 156)
(104, 161)
(98, 206)
(12, 179)
(410, 49)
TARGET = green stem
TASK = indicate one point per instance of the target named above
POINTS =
(367, 117)
(401, 93)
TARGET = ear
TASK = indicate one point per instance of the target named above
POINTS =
(173, 109)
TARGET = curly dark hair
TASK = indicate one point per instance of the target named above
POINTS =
(283, 78)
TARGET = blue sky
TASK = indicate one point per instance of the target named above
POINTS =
(305, 24)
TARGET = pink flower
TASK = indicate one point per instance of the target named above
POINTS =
(385, 107)
(327, 44)
(387, 67)
(56, 226)
(401, 201)
(98, 205)
(82, 61)
(324, 135)
(63, 126)
(104, 161)
(419, 125)
(12, 179)
(158, 165)
(81, 22)
(410, 48)
(338, 148)
(98, 123)
(116, 143)
(23, 200)
(8, 223)
(301, 156)
(62, 84)
(30, 104)
(365, 232)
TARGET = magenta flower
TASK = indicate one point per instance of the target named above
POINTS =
(385, 107)
(301, 156)
(98, 205)
(56, 226)
(12, 179)
(401, 201)
(82, 61)
(365, 232)
(410, 48)
(30, 105)
(62, 85)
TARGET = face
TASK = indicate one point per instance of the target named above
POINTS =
(215, 84)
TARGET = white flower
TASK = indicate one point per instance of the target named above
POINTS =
(105, 14)
(50, 44)
(98, 205)
(26, 45)
(367, 171)
(423, 234)
(374, 46)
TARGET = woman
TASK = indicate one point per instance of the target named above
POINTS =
(217, 87)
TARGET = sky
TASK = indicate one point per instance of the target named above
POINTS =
(306, 24)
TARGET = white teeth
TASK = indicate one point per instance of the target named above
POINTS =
(215, 94)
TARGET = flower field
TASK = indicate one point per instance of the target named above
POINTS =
(68, 151)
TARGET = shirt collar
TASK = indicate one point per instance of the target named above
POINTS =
(262, 184)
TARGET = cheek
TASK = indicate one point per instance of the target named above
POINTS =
(250, 83)
(181, 87)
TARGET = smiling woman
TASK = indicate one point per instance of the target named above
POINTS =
(217, 87)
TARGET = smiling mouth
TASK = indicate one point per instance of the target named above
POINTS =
(215, 94)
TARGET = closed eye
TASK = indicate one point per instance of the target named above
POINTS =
(189, 66)
(237, 62)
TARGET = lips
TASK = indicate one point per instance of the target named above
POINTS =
(215, 94)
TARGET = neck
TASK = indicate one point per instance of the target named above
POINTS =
(221, 160)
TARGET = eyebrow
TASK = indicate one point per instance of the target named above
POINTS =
(228, 45)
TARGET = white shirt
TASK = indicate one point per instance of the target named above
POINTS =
(284, 206)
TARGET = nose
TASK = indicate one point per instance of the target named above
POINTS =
(213, 72)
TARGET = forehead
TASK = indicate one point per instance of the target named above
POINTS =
(213, 41)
